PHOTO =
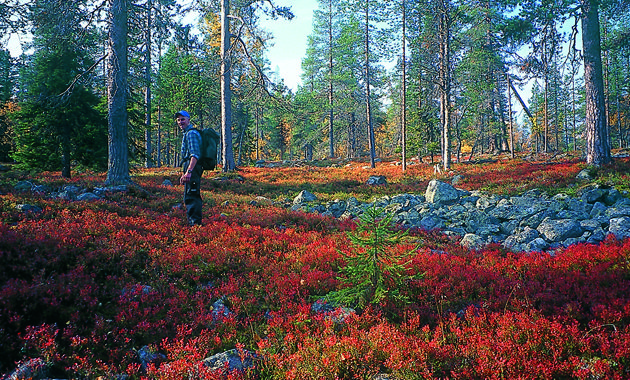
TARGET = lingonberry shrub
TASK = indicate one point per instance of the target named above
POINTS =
(86, 285)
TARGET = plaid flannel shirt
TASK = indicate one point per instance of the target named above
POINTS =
(191, 144)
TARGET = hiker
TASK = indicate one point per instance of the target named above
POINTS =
(191, 179)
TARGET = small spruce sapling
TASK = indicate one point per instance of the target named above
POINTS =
(374, 271)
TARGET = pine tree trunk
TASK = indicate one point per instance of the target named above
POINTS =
(118, 160)
(65, 152)
(226, 91)
(445, 86)
(147, 94)
(403, 118)
(597, 135)
(370, 123)
(510, 118)
(330, 82)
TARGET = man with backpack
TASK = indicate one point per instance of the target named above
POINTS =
(191, 179)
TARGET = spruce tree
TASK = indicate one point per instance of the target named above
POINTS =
(57, 122)
(375, 270)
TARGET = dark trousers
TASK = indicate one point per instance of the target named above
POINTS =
(192, 196)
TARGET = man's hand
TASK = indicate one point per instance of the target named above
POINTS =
(185, 178)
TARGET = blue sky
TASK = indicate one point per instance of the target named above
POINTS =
(288, 46)
(289, 39)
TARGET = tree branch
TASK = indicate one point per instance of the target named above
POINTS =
(70, 87)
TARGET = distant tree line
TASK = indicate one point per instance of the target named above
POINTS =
(100, 81)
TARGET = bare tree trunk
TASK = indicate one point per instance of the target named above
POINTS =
(147, 94)
(226, 91)
(370, 124)
(65, 151)
(606, 77)
(597, 135)
(502, 136)
(159, 115)
(574, 112)
(445, 82)
(619, 123)
(556, 114)
(352, 139)
(258, 116)
(331, 135)
(241, 138)
(118, 159)
(546, 115)
(510, 119)
(403, 119)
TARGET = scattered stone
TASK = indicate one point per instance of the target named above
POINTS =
(261, 201)
(26, 208)
(536, 245)
(584, 175)
(557, 230)
(110, 189)
(594, 195)
(620, 227)
(23, 186)
(136, 292)
(219, 311)
(441, 193)
(382, 376)
(304, 197)
(457, 180)
(532, 221)
(88, 197)
(40, 189)
(231, 360)
(322, 306)
(67, 195)
(34, 369)
(377, 180)
(167, 183)
(336, 314)
(472, 241)
(148, 355)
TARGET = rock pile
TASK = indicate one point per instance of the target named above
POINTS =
(532, 221)
(529, 222)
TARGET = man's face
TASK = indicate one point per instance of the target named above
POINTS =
(182, 121)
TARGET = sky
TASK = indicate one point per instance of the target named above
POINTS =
(289, 40)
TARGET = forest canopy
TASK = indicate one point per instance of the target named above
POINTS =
(419, 80)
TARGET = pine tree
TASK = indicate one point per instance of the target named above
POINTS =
(375, 271)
